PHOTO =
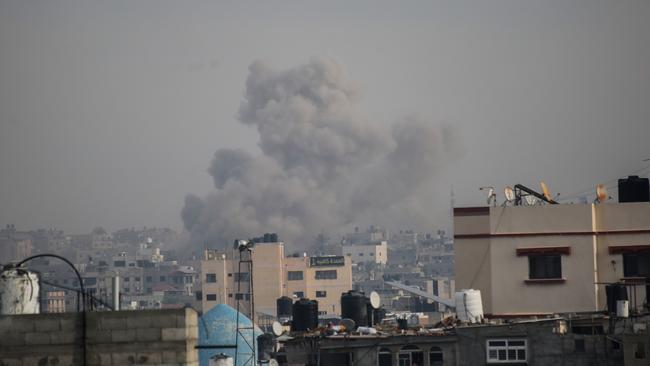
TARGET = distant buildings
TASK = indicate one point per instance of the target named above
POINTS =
(321, 278)
(14, 245)
(376, 252)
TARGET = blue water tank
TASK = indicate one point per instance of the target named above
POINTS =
(218, 327)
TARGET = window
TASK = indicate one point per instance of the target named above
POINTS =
(294, 275)
(639, 351)
(299, 294)
(229, 295)
(127, 279)
(242, 277)
(506, 350)
(326, 275)
(137, 279)
(360, 254)
(372, 254)
(162, 279)
(126, 290)
(199, 295)
(410, 356)
(211, 297)
(321, 293)
(636, 265)
(210, 278)
(579, 345)
(119, 264)
(435, 356)
(384, 357)
(239, 296)
(545, 266)
(149, 279)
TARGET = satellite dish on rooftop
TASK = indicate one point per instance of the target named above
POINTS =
(601, 193)
(375, 300)
(509, 193)
(545, 191)
(277, 329)
(530, 200)
(348, 324)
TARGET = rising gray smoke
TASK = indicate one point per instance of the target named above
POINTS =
(323, 166)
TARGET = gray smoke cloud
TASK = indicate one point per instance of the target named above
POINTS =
(322, 166)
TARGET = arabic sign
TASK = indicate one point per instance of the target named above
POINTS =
(326, 261)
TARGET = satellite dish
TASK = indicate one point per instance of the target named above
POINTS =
(509, 193)
(149, 240)
(273, 362)
(375, 300)
(530, 200)
(601, 193)
(277, 329)
(545, 191)
(348, 324)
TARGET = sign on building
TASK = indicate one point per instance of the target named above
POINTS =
(326, 261)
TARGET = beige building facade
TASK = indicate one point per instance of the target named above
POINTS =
(376, 252)
(274, 275)
(552, 258)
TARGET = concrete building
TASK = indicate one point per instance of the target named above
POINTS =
(552, 258)
(376, 252)
(14, 245)
(274, 275)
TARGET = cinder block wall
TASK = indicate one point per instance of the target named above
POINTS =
(146, 337)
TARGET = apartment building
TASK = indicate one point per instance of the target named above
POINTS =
(274, 275)
(376, 252)
(552, 258)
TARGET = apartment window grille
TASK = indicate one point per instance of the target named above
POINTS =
(210, 278)
(410, 356)
(242, 277)
(295, 275)
(546, 266)
(435, 357)
(636, 265)
(211, 297)
(384, 357)
(506, 350)
(321, 293)
(326, 275)
(299, 294)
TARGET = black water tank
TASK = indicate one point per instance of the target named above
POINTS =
(284, 306)
(402, 323)
(353, 306)
(615, 292)
(378, 315)
(265, 343)
(370, 315)
(633, 189)
(273, 237)
(305, 315)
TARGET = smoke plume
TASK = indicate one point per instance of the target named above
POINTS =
(322, 166)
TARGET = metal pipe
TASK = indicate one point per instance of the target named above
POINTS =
(116, 292)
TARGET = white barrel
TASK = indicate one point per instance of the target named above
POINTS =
(19, 291)
(469, 306)
(622, 309)
(221, 360)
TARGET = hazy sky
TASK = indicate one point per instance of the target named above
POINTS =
(110, 111)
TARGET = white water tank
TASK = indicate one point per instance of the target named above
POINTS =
(622, 309)
(19, 291)
(221, 360)
(469, 306)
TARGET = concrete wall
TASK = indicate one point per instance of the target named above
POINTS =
(146, 337)
(545, 347)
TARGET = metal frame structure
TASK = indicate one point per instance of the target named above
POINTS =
(245, 260)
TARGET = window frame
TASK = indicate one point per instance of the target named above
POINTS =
(210, 278)
(325, 274)
(548, 266)
(506, 348)
(294, 273)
